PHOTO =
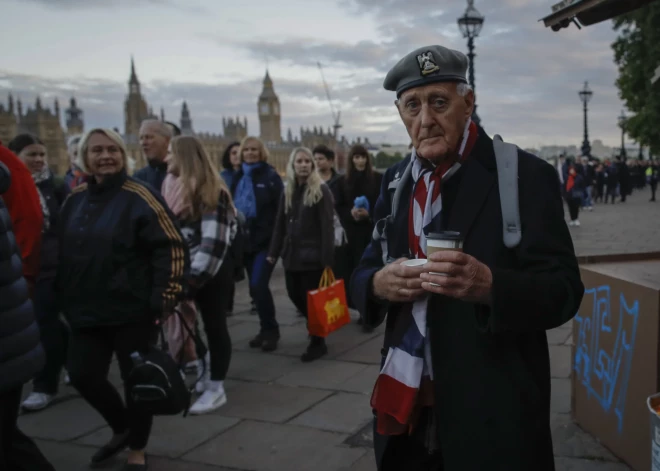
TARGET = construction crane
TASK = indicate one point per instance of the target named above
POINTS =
(336, 113)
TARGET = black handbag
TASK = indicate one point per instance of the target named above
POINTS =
(156, 383)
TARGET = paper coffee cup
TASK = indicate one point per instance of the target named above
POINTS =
(448, 240)
(442, 241)
(415, 262)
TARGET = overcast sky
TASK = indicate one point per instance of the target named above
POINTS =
(213, 53)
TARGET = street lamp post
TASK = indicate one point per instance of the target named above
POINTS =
(585, 95)
(470, 25)
(622, 125)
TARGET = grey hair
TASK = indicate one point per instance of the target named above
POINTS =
(73, 140)
(161, 127)
(463, 88)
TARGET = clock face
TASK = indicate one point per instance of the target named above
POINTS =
(276, 109)
(263, 108)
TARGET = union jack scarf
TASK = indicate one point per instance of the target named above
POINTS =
(405, 381)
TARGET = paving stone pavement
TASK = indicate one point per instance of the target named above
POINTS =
(285, 415)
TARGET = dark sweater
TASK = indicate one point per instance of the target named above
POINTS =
(304, 235)
(21, 355)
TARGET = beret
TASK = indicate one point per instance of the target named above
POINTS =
(430, 64)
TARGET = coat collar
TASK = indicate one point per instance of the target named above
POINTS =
(478, 178)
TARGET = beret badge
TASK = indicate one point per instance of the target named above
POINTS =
(427, 64)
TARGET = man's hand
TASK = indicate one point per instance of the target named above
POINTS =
(466, 277)
(398, 283)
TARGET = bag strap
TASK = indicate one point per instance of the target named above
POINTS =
(200, 347)
(381, 227)
(327, 278)
(506, 157)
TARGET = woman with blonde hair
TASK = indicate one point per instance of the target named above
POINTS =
(304, 235)
(122, 264)
(201, 201)
(257, 188)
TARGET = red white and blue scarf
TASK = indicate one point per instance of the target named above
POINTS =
(405, 380)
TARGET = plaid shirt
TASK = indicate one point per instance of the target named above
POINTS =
(209, 241)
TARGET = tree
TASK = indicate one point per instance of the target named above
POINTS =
(637, 55)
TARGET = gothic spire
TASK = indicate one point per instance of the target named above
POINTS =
(134, 78)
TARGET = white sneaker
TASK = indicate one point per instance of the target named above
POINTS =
(67, 378)
(37, 401)
(576, 223)
(213, 398)
(571, 223)
(204, 378)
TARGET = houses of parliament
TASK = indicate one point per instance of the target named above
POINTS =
(45, 122)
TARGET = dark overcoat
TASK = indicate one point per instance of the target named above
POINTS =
(491, 364)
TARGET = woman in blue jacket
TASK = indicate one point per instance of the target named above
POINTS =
(256, 189)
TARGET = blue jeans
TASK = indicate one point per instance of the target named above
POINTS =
(259, 272)
(586, 201)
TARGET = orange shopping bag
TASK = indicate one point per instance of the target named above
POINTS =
(326, 307)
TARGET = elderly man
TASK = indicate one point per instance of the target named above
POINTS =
(465, 381)
(155, 137)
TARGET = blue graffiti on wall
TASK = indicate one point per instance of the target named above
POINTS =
(604, 373)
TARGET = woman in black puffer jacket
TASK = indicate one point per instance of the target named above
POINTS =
(21, 355)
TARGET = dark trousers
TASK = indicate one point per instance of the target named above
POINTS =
(610, 193)
(259, 272)
(230, 296)
(54, 338)
(298, 284)
(17, 451)
(90, 355)
(654, 187)
(574, 207)
(404, 452)
(213, 300)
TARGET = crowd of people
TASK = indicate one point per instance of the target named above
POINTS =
(109, 258)
(100, 262)
(586, 182)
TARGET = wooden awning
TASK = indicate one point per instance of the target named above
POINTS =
(588, 12)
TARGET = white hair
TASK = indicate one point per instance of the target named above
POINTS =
(161, 127)
(463, 88)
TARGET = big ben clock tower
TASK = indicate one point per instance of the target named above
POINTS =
(269, 113)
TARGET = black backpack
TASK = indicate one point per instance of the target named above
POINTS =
(157, 383)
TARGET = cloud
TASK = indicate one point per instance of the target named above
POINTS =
(114, 4)
(102, 101)
(527, 77)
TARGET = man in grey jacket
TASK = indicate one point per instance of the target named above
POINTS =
(21, 355)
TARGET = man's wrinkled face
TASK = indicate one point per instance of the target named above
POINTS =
(435, 116)
(153, 142)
